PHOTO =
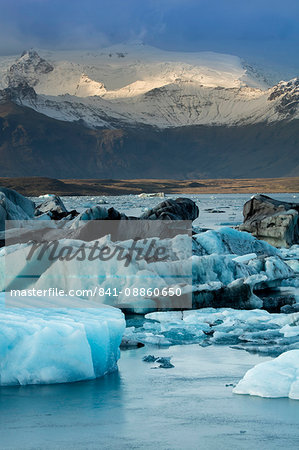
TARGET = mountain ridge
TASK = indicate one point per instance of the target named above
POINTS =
(37, 145)
(137, 112)
(150, 87)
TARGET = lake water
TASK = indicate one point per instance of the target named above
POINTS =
(190, 406)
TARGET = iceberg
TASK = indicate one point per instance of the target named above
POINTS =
(58, 345)
(230, 241)
(151, 195)
(14, 206)
(224, 268)
(222, 279)
(275, 378)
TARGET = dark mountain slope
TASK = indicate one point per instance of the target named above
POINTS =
(32, 144)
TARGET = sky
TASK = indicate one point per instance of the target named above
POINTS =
(260, 30)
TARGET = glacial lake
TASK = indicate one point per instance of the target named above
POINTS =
(190, 406)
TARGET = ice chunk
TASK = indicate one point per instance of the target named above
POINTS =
(245, 258)
(230, 241)
(219, 279)
(14, 206)
(57, 345)
(151, 195)
(275, 378)
(94, 213)
(46, 196)
(254, 330)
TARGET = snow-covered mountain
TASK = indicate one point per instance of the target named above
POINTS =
(137, 84)
(132, 111)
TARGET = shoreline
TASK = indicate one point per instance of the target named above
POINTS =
(35, 186)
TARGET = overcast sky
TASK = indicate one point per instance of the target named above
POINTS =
(256, 29)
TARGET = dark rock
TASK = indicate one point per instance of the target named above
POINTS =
(28, 68)
(214, 211)
(179, 209)
(288, 94)
(274, 300)
(149, 358)
(272, 220)
(237, 295)
(127, 344)
(19, 92)
(165, 362)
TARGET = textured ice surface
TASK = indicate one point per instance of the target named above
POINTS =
(57, 345)
(108, 274)
(276, 378)
(209, 271)
(14, 206)
(223, 258)
(230, 241)
(255, 330)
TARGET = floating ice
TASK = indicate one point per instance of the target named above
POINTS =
(255, 330)
(58, 345)
(222, 279)
(276, 378)
(230, 241)
(46, 196)
(14, 206)
(151, 195)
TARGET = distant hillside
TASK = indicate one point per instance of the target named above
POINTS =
(33, 144)
(35, 186)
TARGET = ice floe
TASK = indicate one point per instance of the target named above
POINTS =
(275, 378)
(255, 330)
(57, 345)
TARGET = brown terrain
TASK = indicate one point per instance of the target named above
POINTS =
(35, 186)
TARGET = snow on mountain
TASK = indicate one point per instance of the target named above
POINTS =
(87, 87)
(135, 83)
(29, 67)
(118, 67)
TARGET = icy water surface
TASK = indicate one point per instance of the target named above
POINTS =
(190, 406)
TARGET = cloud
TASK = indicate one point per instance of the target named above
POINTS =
(233, 26)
